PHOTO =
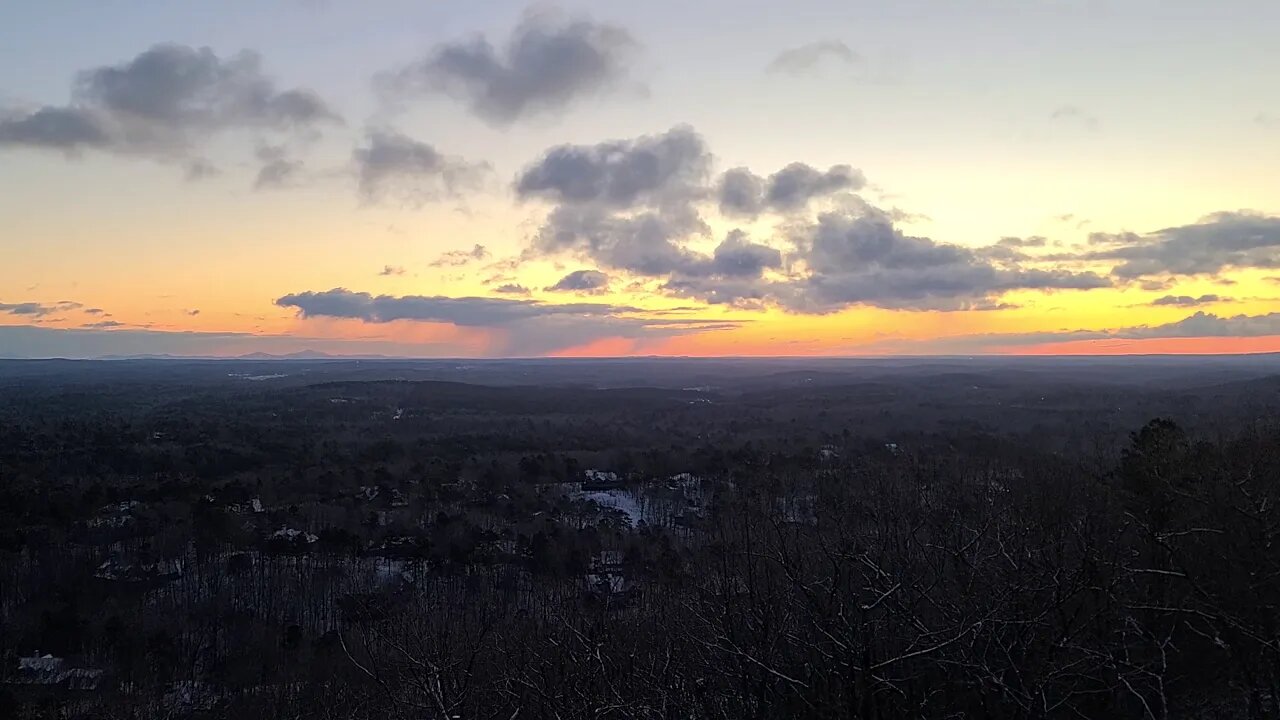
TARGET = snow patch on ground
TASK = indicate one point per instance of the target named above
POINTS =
(622, 500)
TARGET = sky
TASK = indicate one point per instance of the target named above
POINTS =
(427, 178)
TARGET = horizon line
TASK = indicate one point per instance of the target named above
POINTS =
(320, 357)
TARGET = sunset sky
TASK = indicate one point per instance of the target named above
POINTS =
(436, 178)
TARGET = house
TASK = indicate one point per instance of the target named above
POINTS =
(385, 518)
(395, 546)
(82, 679)
(694, 519)
(607, 586)
(609, 589)
(188, 696)
(254, 506)
(600, 480)
(606, 582)
(39, 670)
(115, 516)
(118, 569)
(290, 535)
(608, 561)
(52, 672)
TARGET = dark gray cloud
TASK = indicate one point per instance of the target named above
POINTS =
(1003, 253)
(648, 170)
(525, 327)
(793, 186)
(389, 270)
(739, 292)
(175, 86)
(27, 308)
(1156, 284)
(181, 88)
(742, 193)
(458, 258)
(581, 281)
(166, 103)
(1187, 300)
(67, 129)
(464, 311)
(391, 164)
(859, 257)
(549, 62)
(38, 309)
(103, 325)
(634, 206)
(862, 258)
(1120, 238)
(647, 243)
(802, 59)
(1222, 241)
(736, 257)
(731, 275)
(1203, 324)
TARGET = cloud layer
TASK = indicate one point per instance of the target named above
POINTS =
(1219, 242)
(636, 206)
(522, 327)
(40, 309)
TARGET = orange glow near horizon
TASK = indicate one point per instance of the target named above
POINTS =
(196, 297)
(1156, 346)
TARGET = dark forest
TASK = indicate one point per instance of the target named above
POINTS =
(640, 539)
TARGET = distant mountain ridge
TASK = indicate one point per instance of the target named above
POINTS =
(299, 355)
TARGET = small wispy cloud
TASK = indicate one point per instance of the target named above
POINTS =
(458, 258)
(1075, 115)
(512, 289)
(1188, 300)
(807, 57)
